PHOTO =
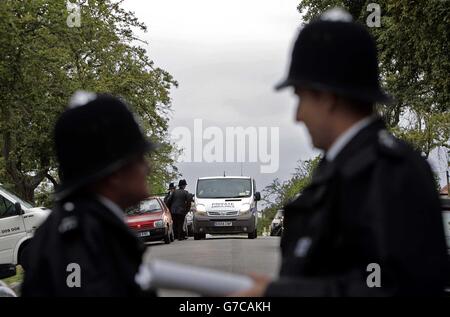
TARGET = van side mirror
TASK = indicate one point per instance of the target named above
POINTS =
(257, 196)
(18, 208)
(7, 270)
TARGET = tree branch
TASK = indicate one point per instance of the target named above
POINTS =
(51, 179)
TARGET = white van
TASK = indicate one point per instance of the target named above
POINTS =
(225, 205)
(18, 221)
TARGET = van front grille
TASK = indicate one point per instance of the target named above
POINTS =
(223, 213)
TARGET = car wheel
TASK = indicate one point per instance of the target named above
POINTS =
(198, 236)
(253, 235)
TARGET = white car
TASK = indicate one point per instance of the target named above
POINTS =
(18, 221)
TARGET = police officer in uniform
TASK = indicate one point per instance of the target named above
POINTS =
(171, 189)
(178, 202)
(369, 223)
(85, 248)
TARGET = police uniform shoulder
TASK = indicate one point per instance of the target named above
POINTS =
(392, 148)
(388, 145)
(403, 157)
(384, 147)
(77, 204)
(72, 211)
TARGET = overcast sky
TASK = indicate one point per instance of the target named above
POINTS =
(227, 56)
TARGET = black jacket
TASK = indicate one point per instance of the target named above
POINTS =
(375, 203)
(90, 235)
(166, 199)
(178, 201)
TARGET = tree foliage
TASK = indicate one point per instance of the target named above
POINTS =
(43, 61)
(277, 193)
(413, 45)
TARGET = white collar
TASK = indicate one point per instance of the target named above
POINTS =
(346, 137)
(108, 203)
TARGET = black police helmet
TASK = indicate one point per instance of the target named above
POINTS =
(93, 138)
(335, 54)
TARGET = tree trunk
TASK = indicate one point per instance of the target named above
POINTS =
(24, 185)
(24, 191)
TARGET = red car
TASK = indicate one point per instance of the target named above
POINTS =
(151, 220)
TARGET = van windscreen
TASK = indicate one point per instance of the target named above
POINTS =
(224, 188)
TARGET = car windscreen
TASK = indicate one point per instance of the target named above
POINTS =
(224, 188)
(146, 206)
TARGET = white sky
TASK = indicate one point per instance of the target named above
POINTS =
(226, 57)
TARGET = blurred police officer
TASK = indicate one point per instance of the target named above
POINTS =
(178, 202)
(190, 199)
(369, 223)
(85, 248)
(170, 190)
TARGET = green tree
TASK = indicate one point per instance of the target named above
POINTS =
(413, 44)
(277, 193)
(43, 61)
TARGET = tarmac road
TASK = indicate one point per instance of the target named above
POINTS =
(236, 254)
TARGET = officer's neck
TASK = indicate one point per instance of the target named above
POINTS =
(341, 125)
(345, 136)
(110, 194)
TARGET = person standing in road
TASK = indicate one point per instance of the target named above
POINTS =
(178, 201)
(189, 201)
(85, 248)
(369, 223)
(170, 191)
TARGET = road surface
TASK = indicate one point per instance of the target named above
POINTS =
(235, 254)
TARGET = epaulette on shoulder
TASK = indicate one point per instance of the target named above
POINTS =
(390, 145)
(69, 221)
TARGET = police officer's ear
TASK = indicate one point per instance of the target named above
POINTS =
(323, 101)
(328, 99)
(110, 181)
(115, 179)
(357, 107)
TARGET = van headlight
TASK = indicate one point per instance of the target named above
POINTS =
(200, 209)
(159, 224)
(245, 208)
